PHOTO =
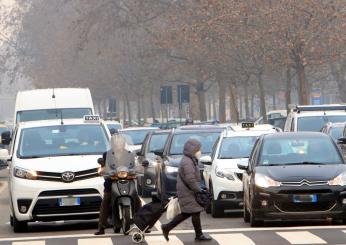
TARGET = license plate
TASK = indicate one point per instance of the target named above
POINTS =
(304, 198)
(69, 201)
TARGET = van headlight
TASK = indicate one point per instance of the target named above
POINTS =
(338, 180)
(170, 169)
(264, 181)
(224, 173)
(25, 173)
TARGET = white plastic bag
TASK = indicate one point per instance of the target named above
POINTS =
(173, 208)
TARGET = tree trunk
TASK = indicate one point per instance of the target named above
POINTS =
(339, 74)
(99, 107)
(252, 111)
(201, 101)
(124, 111)
(215, 116)
(152, 104)
(246, 98)
(303, 86)
(222, 101)
(129, 110)
(288, 87)
(139, 109)
(233, 105)
(274, 101)
(262, 99)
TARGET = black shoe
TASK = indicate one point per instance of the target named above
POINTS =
(100, 232)
(165, 232)
(203, 238)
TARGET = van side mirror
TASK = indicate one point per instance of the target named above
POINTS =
(4, 156)
(159, 152)
(6, 138)
(243, 165)
(206, 160)
(342, 141)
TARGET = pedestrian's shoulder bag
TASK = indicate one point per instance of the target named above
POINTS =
(202, 198)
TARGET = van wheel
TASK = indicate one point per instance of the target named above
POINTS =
(19, 226)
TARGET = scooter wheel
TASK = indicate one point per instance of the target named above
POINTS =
(137, 237)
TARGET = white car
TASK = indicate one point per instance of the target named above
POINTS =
(313, 117)
(54, 173)
(221, 174)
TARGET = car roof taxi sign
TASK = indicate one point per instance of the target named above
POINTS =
(248, 125)
(92, 118)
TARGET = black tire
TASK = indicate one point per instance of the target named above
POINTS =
(11, 220)
(139, 188)
(216, 210)
(19, 226)
(246, 214)
(126, 220)
(344, 221)
(253, 221)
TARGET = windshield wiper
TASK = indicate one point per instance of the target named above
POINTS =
(30, 157)
(301, 163)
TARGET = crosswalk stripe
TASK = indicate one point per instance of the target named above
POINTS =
(301, 237)
(29, 243)
(236, 238)
(96, 241)
(159, 240)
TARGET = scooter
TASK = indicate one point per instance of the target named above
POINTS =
(124, 198)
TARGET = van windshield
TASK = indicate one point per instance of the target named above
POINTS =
(62, 140)
(48, 114)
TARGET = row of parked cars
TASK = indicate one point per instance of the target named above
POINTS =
(257, 169)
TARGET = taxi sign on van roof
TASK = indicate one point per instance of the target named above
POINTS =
(247, 125)
(92, 118)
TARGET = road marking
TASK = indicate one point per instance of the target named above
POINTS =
(301, 237)
(236, 238)
(341, 227)
(30, 243)
(158, 223)
(3, 186)
(103, 241)
(158, 240)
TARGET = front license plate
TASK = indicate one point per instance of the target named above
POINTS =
(304, 198)
(70, 201)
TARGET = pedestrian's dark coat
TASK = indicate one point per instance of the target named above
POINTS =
(189, 171)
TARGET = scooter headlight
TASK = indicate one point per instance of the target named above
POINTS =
(122, 175)
(25, 173)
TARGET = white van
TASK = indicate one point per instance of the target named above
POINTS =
(54, 174)
(52, 103)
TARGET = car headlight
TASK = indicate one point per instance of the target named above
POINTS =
(170, 169)
(264, 181)
(338, 180)
(25, 173)
(224, 173)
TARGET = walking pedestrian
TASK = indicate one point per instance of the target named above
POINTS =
(189, 174)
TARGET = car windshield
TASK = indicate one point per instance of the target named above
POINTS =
(299, 150)
(114, 126)
(62, 140)
(157, 142)
(47, 114)
(316, 123)
(336, 132)
(207, 139)
(236, 147)
(135, 137)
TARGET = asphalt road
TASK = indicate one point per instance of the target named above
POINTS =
(228, 230)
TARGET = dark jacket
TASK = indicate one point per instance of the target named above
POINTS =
(190, 173)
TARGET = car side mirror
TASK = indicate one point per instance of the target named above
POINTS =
(243, 165)
(6, 138)
(159, 152)
(206, 160)
(4, 156)
(101, 161)
(145, 163)
(342, 141)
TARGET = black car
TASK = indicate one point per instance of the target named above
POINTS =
(294, 176)
(170, 156)
(154, 141)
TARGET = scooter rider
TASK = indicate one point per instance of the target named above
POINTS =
(118, 154)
